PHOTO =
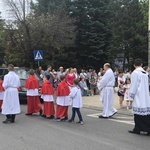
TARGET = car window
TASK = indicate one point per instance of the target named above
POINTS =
(23, 73)
(1, 71)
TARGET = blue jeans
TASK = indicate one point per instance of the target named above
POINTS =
(84, 92)
(74, 111)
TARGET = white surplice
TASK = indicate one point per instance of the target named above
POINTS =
(47, 97)
(139, 92)
(76, 97)
(106, 87)
(11, 103)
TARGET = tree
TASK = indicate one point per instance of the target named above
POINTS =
(128, 30)
(49, 32)
(1, 41)
(92, 41)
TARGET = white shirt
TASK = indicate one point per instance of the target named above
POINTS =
(76, 97)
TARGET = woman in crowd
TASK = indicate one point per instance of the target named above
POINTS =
(70, 77)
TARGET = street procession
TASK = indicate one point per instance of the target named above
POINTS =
(74, 74)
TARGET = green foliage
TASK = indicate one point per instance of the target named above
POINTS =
(92, 40)
(50, 32)
(78, 33)
(1, 41)
(129, 29)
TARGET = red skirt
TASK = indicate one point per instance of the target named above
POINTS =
(33, 104)
(1, 102)
(61, 111)
(49, 109)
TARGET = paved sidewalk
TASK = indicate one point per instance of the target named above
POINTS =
(94, 102)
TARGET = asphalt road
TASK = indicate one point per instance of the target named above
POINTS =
(37, 133)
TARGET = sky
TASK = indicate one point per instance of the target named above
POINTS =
(4, 9)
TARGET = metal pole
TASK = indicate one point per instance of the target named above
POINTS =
(149, 35)
(24, 10)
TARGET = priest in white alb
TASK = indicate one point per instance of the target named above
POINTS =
(106, 88)
(139, 92)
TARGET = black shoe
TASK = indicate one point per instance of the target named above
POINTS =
(40, 112)
(44, 116)
(7, 120)
(12, 121)
(28, 114)
(133, 132)
(51, 117)
(102, 117)
(64, 119)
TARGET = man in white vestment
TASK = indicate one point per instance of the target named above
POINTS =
(139, 92)
(106, 87)
(11, 105)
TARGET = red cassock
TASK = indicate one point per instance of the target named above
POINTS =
(33, 101)
(32, 83)
(1, 90)
(63, 91)
(47, 92)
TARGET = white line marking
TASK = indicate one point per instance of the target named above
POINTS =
(131, 122)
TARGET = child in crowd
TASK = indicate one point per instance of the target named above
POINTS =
(76, 102)
(127, 98)
(83, 86)
(47, 93)
(1, 92)
(63, 100)
(121, 81)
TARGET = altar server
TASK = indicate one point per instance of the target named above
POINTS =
(47, 92)
(63, 100)
(33, 101)
(139, 92)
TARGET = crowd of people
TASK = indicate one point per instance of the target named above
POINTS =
(88, 78)
(68, 87)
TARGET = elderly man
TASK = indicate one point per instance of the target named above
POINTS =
(106, 87)
(139, 92)
(11, 105)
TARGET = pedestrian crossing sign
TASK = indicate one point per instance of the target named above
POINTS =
(38, 55)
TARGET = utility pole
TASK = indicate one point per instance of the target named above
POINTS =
(149, 35)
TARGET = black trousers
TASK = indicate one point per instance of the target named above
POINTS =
(11, 117)
(142, 123)
(74, 111)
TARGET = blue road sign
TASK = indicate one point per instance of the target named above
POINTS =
(38, 55)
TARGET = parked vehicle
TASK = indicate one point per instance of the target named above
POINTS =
(23, 74)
